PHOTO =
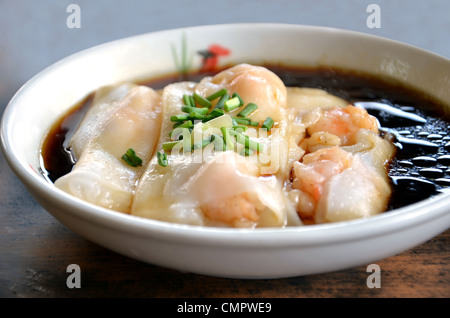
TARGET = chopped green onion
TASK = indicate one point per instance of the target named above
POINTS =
(239, 128)
(202, 144)
(180, 123)
(162, 159)
(222, 100)
(232, 104)
(242, 121)
(241, 101)
(219, 144)
(229, 144)
(187, 100)
(186, 124)
(192, 100)
(246, 141)
(268, 124)
(250, 108)
(202, 101)
(178, 118)
(217, 94)
(167, 146)
(189, 109)
(131, 158)
(246, 152)
(179, 129)
(196, 116)
(214, 114)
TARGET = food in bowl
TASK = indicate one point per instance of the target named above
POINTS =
(375, 70)
(243, 147)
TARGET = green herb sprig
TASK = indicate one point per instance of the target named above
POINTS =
(131, 158)
(198, 108)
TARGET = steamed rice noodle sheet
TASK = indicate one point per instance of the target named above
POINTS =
(342, 174)
(121, 117)
(238, 149)
(222, 171)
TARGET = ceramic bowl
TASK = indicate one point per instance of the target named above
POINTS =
(236, 253)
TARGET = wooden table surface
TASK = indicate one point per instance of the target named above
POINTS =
(35, 250)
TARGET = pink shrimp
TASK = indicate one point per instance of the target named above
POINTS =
(233, 210)
(317, 168)
(344, 122)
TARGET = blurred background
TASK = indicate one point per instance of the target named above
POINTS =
(35, 34)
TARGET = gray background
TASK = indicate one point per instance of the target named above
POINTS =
(34, 33)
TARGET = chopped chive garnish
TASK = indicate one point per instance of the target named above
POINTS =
(207, 118)
(246, 141)
(250, 108)
(167, 146)
(131, 158)
(268, 124)
(178, 118)
(219, 144)
(162, 159)
(229, 144)
(239, 128)
(232, 104)
(187, 100)
(189, 109)
(179, 131)
(216, 112)
(202, 101)
(246, 152)
(186, 124)
(217, 94)
(179, 124)
(192, 100)
(242, 121)
(198, 108)
(196, 116)
(202, 144)
(241, 101)
(222, 100)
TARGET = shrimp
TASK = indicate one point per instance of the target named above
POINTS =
(342, 174)
(254, 84)
(311, 175)
(320, 139)
(235, 211)
(333, 184)
(344, 122)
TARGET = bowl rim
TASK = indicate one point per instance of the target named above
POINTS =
(398, 219)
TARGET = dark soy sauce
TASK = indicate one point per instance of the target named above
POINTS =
(56, 156)
(421, 129)
(420, 126)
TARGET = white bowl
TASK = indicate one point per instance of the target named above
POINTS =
(237, 253)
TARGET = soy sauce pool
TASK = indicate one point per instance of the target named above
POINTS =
(420, 169)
